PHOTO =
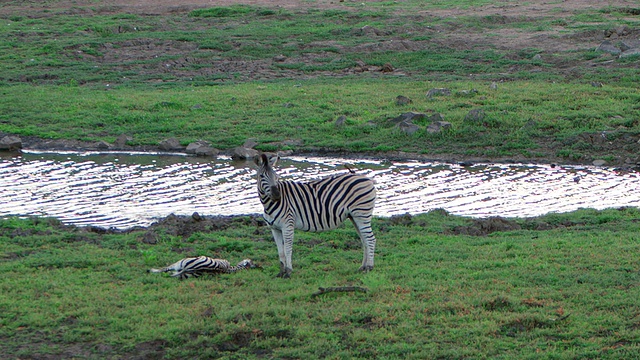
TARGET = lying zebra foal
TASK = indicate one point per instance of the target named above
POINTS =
(196, 266)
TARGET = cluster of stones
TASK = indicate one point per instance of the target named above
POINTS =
(405, 122)
(198, 148)
(616, 43)
(203, 148)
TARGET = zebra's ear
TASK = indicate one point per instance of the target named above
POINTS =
(273, 159)
(257, 159)
(275, 193)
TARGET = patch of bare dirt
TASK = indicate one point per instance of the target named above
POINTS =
(461, 37)
(484, 227)
(134, 55)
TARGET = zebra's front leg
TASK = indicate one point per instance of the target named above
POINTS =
(287, 237)
(279, 239)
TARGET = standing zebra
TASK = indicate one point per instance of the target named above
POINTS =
(315, 206)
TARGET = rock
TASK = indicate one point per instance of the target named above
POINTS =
(438, 92)
(150, 237)
(197, 106)
(405, 123)
(361, 66)
(207, 151)
(387, 68)
(170, 144)
(537, 57)
(608, 47)
(629, 44)
(407, 127)
(10, 142)
(283, 153)
(103, 145)
(471, 92)
(121, 141)
(599, 162)
(596, 84)
(340, 121)
(408, 117)
(243, 153)
(493, 86)
(402, 100)
(250, 143)
(371, 31)
(195, 216)
(404, 220)
(475, 115)
(293, 142)
(279, 58)
(436, 117)
(367, 30)
(630, 52)
(192, 147)
(621, 30)
(438, 127)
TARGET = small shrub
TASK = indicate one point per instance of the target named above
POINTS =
(221, 12)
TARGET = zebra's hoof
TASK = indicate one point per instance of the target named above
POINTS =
(366, 268)
(285, 274)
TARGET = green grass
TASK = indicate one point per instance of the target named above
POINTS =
(58, 48)
(564, 286)
(93, 77)
(521, 117)
(566, 292)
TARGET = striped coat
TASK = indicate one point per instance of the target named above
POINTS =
(196, 266)
(315, 206)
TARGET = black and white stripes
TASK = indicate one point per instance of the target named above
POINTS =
(315, 206)
(196, 266)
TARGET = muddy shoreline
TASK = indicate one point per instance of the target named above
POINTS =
(31, 143)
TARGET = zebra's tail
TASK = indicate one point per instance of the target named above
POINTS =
(176, 272)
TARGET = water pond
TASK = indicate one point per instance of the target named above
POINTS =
(122, 190)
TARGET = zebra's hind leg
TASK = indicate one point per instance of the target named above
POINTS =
(363, 227)
(279, 239)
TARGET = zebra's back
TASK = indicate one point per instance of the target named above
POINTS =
(324, 204)
(196, 266)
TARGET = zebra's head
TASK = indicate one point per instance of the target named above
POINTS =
(246, 264)
(267, 178)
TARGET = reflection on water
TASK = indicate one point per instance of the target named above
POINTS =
(125, 190)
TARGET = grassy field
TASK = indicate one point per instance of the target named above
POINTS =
(524, 120)
(560, 286)
(93, 73)
(563, 286)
